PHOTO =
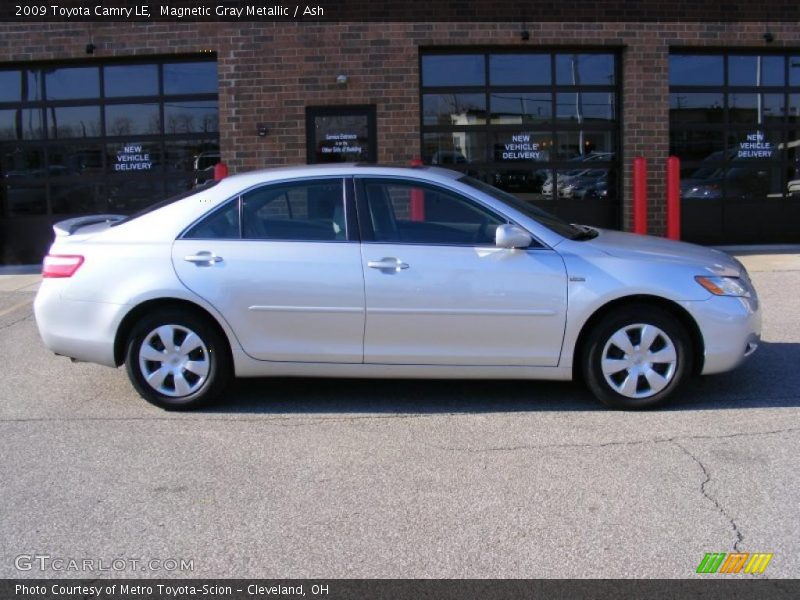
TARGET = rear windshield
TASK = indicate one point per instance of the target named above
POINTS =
(552, 222)
(162, 203)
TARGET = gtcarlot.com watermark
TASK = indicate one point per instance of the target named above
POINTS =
(62, 564)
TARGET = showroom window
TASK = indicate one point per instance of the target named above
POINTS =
(543, 125)
(104, 137)
(734, 125)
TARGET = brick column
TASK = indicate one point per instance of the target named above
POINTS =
(645, 122)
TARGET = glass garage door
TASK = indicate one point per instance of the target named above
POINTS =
(82, 138)
(734, 125)
(542, 125)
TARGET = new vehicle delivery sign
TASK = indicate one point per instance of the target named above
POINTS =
(133, 158)
(521, 148)
(755, 146)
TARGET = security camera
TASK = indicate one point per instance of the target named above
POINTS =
(524, 35)
(769, 37)
(90, 48)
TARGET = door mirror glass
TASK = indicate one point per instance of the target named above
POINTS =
(512, 236)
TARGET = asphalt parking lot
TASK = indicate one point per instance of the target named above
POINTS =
(328, 478)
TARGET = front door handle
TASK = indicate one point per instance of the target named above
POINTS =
(203, 258)
(388, 264)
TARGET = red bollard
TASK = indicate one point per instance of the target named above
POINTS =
(220, 171)
(417, 200)
(674, 198)
(640, 195)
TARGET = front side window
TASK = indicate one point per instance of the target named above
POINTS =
(401, 212)
(310, 211)
(543, 217)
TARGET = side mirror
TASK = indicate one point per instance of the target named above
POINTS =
(512, 236)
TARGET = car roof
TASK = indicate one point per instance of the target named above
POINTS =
(250, 178)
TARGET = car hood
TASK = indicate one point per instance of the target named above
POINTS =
(655, 249)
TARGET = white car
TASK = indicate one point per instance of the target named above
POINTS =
(366, 271)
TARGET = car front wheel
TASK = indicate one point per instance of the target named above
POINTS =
(637, 357)
(177, 360)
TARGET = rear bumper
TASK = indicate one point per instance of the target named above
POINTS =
(77, 329)
(731, 330)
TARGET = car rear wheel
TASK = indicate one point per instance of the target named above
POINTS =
(637, 357)
(177, 360)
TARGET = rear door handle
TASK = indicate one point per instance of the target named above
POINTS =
(388, 264)
(203, 258)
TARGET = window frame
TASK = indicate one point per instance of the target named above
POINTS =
(549, 126)
(605, 211)
(159, 177)
(729, 128)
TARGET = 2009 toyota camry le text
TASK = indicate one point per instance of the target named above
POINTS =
(369, 271)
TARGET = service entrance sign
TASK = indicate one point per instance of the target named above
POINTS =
(341, 134)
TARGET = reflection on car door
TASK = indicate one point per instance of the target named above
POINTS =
(439, 292)
(278, 264)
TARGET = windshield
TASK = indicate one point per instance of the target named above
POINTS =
(552, 222)
(150, 208)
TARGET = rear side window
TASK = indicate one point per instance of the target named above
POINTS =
(222, 224)
(311, 211)
(303, 210)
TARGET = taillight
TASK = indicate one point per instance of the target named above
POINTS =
(61, 265)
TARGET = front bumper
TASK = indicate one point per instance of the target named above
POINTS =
(731, 330)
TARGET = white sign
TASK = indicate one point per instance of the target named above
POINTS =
(755, 146)
(131, 158)
(521, 148)
(341, 144)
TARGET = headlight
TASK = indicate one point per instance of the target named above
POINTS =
(724, 286)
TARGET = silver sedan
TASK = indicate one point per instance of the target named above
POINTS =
(365, 271)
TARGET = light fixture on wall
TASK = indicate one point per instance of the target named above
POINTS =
(342, 79)
(769, 37)
(90, 48)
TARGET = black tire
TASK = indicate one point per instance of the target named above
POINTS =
(641, 394)
(211, 359)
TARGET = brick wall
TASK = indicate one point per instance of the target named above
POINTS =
(269, 73)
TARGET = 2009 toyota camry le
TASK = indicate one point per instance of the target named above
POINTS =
(370, 271)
